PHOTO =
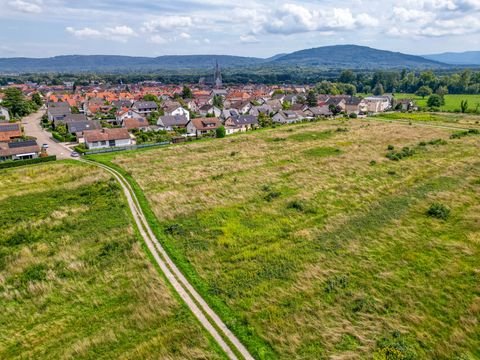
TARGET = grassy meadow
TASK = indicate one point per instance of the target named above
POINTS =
(452, 101)
(75, 282)
(312, 244)
(447, 119)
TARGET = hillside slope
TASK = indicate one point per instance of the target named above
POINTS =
(461, 58)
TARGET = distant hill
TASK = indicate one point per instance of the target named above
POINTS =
(355, 57)
(461, 58)
(329, 57)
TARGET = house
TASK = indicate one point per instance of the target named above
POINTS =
(240, 123)
(67, 118)
(203, 126)
(55, 113)
(355, 105)
(122, 104)
(207, 109)
(261, 109)
(405, 105)
(104, 138)
(127, 114)
(376, 104)
(145, 107)
(20, 150)
(170, 122)
(243, 107)
(77, 127)
(4, 114)
(287, 117)
(320, 111)
(177, 110)
(9, 131)
(135, 124)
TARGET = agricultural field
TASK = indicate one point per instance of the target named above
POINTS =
(75, 282)
(452, 101)
(311, 243)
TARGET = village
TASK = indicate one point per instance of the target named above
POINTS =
(99, 117)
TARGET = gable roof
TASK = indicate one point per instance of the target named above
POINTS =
(134, 123)
(145, 105)
(19, 147)
(206, 123)
(106, 135)
(244, 120)
(80, 126)
(172, 120)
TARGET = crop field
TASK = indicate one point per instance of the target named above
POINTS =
(75, 282)
(311, 243)
(452, 101)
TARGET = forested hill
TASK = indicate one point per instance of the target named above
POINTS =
(329, 57)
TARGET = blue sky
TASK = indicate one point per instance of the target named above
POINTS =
(42, 28)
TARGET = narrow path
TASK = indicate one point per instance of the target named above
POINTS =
(207, 317)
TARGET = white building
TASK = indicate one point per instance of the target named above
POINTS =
(105, 138)
(4, 115)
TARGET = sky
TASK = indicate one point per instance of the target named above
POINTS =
(44, 28)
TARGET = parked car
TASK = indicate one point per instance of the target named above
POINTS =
(45, 146)
(75, 154)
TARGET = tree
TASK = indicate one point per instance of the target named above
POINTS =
(153, 117)
(434, 101)
(442, 91)
(218, 101)
(264, 120)
(464, 106)
(286, 105)
(423, 91)
(37, 99)
(378, 89)
(312, 99)
(186, 93)
(347, 77)
(220, 132)
(15, 102)
(75, 110)
(150, 97)
(334, 109)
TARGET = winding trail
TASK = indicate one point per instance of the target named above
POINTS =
(207, 317)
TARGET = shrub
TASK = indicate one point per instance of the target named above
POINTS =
(396, 347)
(16, 163)
(36, 272)
(390, 147)
(353, 116)
(271, 195)
(437, 142)
(404, 153)
(220, 132)
(296, 205)
(373, 163)
(438, 211)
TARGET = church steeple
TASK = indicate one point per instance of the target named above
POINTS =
(217, 76)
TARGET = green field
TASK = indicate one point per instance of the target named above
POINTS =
(446, 119)
(75, 282)
(311, 244)
(452, 101)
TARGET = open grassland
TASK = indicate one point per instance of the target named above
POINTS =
(452, 101)
(447, 119)
(75, 282)
(312, 244)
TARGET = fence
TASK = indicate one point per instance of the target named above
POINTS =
(124, 148)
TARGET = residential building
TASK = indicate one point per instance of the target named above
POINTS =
(171, 122)
(10, 131)
(287, 117)
(240, 123)
(20, 150)
(203, 126)
(4, 114)
(145, 107)
(177, 110)
(104, 138)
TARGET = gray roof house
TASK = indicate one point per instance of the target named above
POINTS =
(145, 107)
(169, 122)
(74, 127)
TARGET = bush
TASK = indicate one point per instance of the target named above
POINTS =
(390, 147)
(220, 132)
(460, 134)
(438, 211)
(16, 163)
(296, 205)
(396, 347)
(404, 153)
(353, 116)
(272, 194)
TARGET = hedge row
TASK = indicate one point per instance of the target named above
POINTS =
(10, 164)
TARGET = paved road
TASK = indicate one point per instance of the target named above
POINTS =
(31, 125)
(205, 315)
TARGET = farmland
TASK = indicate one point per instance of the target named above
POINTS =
(75, 281)
(311, 243)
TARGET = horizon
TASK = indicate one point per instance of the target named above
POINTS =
(245, 56)
(47, 28)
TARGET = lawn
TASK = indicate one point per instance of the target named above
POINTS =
(312, 244)
(448, 119)
(75, 281)
(452, 101)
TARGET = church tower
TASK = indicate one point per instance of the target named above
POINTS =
(217, 76)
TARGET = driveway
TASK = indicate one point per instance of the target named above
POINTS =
(31, 126)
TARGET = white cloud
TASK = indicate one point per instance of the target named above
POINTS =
(365, 20)
(32, 7)
(185, 36)
(248, 39)
(167, 23)
(157, 39)
(117, 33)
